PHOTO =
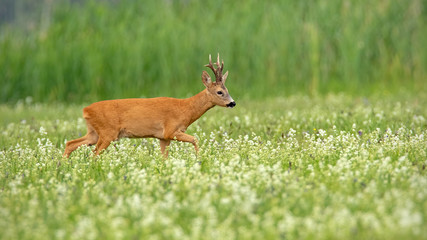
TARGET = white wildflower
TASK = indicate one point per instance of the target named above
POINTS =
(42, 131)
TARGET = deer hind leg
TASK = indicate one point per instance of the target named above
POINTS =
(90, 138)
(101, 145)
(163, 145)
(105, 138)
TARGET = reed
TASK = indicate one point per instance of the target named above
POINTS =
(77, 52)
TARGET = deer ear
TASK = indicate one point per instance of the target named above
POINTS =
(224, 77)
(206, 79)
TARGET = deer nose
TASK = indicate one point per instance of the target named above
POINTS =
(231, 105)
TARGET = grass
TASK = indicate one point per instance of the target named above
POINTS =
(92, 50)
(280, 165)
(335, 167)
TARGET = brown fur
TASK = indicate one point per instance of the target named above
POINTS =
(163, 117)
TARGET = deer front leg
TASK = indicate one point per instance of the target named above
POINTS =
(163, 145)
(183, 137)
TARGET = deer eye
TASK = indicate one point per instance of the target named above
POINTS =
(220, 93)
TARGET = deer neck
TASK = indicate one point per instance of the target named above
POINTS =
(198, 105)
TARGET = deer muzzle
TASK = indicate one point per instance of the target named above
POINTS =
(231, 104)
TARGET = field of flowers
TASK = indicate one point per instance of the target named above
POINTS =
(294, 168)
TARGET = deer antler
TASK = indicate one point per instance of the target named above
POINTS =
(218, 70)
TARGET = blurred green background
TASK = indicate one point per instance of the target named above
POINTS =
(80, 51)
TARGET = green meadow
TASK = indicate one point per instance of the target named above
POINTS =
(295, 168)
(328, 139)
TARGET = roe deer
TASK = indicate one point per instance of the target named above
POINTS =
(163, 117)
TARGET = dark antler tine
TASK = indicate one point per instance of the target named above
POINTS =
(218, 70)
(210, 65)
(210, 61)
(217, 61)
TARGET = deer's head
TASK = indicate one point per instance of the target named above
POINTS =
(217, 91)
